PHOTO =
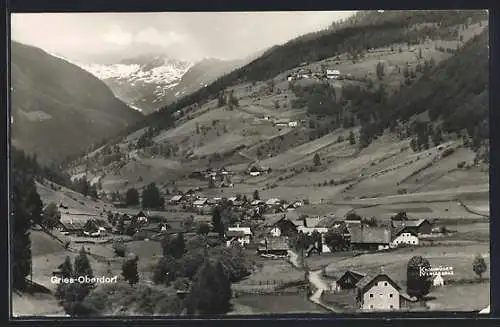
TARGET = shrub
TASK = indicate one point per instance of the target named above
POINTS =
(447, 152)
(461, 164)
(119, 248)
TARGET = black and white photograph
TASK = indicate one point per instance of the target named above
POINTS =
(249, 163)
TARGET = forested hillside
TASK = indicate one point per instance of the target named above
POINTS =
(59, 109)
(368, 30)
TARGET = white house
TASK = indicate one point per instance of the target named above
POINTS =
(293, 123)
(282, 123)
(405, 236)
(241, 234)
(255, 173)
(438, 280)
(332, 74)
(273, 202)
(200, 202)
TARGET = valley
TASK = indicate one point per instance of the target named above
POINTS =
(288, 180)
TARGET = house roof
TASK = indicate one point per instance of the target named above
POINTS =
(200, 202)
(342, 212)
(272, 201)
(403, 229)
(370, 235)
(367, 281)
(357, 275)
(244, 230)
(310, 230)
(292, 215)
(408, 223)
(235, 233)
(273, 219)
(277, 243)
(256, 202)
(312, 221)
(298, 222)
(75, 224)
(176, 198)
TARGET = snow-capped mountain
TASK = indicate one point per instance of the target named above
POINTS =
(143, 81)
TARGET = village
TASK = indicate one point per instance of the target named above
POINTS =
(275, 230)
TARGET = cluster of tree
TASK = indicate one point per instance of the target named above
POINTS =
(132, 197)
(223, 216)
(146, 139)
(425, 133)
(455, 93)
(320, 99)
(152, 198)
(83, 186)
(71, 296)
(206, 271)
(51, 216)
(30, 165)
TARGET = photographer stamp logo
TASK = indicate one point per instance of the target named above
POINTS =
(435, 271)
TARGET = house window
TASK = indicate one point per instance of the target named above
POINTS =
(385, 284)
(371, 306)
(371, 295)
(391, 307)
(390, 295)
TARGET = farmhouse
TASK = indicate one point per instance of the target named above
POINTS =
(379, 293)
(257, 203)
(200, 203)
(369, 238)
(176, 199)
(241, 234)
(272, 202)
(332, 74)
(349, 280)
(141, 217)
(293, 123)
(73, 226)
(321, 230)
(281, 123)
(275, 245)
(311, 222)
(419, 226)
(406, 236)
(277, 225)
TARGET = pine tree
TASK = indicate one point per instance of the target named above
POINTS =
(21, 247)
(217, 223)
(132, 197)
(82, 268)
(352, 138)
(34, 204)
(129, 270)
(479, 266)
(317, 160)
(66, 270)
(256, 195)
(211, 290)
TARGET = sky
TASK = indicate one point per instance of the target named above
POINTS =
(187, 36)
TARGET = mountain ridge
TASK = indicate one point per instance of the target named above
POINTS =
(50, 96)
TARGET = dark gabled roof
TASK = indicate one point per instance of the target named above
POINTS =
(367, 281)
(408, 223)
(273, 219)
(370, 235)
(235, 233)
(312, 221)
(275, 243)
